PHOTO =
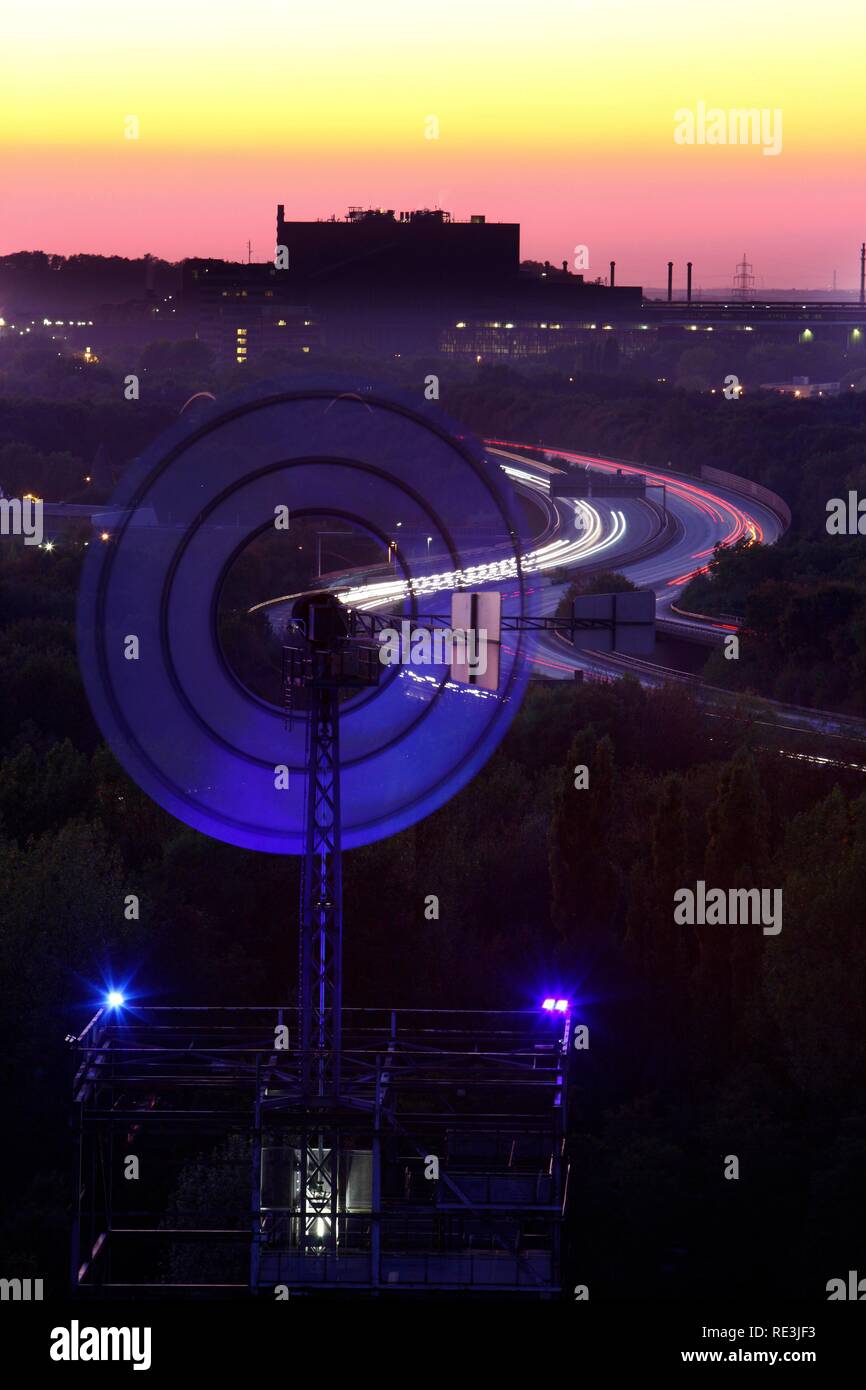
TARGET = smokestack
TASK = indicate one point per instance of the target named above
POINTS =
(688, 282)
(863, 273)
(612, 274)
(670, 281)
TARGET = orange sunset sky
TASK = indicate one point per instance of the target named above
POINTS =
(558, 114)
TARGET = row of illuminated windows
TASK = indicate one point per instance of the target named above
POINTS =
(462, 324)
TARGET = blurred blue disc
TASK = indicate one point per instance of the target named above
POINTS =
(180, 720)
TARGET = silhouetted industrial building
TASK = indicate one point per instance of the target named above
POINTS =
(386, 282)
(397, 282)
(380, 282)
(375, 246)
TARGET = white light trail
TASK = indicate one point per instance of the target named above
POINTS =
(588, 542)
(561, 553)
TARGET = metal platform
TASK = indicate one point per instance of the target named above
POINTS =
(439, 1168)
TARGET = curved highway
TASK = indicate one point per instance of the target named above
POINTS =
(703, 518)
(579, 534)
(622, 536)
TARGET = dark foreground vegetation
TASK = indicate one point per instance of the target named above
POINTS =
(704, 1041)
(803, 609)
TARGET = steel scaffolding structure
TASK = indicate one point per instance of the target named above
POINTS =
(312, 1149)
(205, 1166)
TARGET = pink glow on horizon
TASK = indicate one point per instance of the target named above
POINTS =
(796, 225)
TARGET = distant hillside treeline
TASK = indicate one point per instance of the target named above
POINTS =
(37, 280)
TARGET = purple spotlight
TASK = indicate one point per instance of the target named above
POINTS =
(561, 1005)
(549, 1004)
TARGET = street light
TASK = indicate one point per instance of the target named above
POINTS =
(319, 535)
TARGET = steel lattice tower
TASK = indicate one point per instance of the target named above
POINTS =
(744, 279)
(320, 973)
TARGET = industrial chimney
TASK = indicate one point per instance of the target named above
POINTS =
(688, 282)
(612, 274)
(670, 281)
(863, 273)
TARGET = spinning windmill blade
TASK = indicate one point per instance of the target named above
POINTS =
(367, 751)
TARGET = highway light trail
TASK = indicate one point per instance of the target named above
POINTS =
(590, 539)
(589, 542)
(546, 661)
(722, 512)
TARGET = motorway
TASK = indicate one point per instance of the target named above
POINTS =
(626, 536)
(629, 535)
(703, 518)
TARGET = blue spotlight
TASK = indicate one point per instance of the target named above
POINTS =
(114, 999)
